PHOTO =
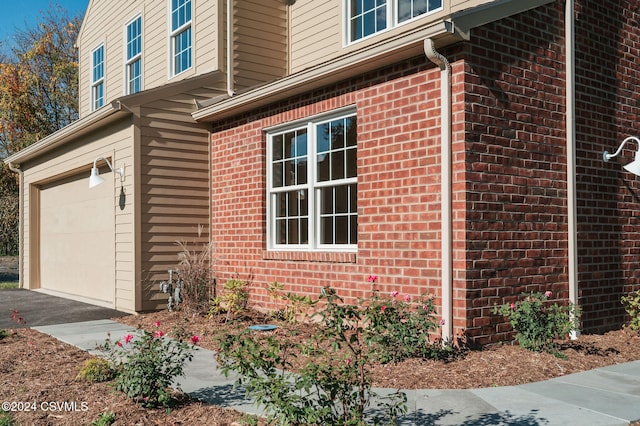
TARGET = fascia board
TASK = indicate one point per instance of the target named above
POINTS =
(377, 55)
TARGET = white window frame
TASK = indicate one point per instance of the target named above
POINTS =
(130, 61)
(173, 37)
(312, 186)
(96, 101)
(391, 19)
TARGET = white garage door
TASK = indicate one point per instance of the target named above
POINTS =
(77, 241)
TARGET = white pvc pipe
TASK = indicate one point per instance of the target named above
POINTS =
(230, 77)
(572, 210)
(445, 186)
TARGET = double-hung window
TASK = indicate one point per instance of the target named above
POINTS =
(134, 56)
(97, 77)
(312, 185)
(181, 55)
(367, 17)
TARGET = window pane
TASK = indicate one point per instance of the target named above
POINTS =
(135, 76)
(408, 9)
(326, 230)
(367, 17)
(342, 230)
(353, 198)
(353, 229)
(326, 201)
(352, 163)
(277, 174)
(352, 131)
(277, 147)
(182, 49)
(342, 199)
(337, 165)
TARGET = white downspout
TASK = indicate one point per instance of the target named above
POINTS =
(230, 52)
(572, 210)
(445, 188)
(16, 169)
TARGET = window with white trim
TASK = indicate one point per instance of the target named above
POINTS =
(97, 77)
(181, 55)
(134, 56)
(312, 185)
(368, 17)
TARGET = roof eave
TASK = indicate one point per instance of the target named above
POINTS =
(89, 123)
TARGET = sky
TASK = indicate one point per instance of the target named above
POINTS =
(16, 14)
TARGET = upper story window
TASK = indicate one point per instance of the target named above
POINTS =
(181, 42)
(134, 56)
(367, 17)
(97, 77)
(312, 185)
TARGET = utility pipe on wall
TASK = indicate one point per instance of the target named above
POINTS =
(572, 211)
(445, 184)
(230, 53)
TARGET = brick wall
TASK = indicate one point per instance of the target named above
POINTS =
(398, 190)
(509, 175)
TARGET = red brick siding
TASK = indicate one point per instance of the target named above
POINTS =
(398, 190)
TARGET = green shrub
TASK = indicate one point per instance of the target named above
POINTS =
(147, 364)
(232, 301)
(631, 304)
(96, 370)
(105, 419)
(538, 323)
(6, 419)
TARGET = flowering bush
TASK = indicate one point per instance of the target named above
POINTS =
(146, 365)
(401, 328)
(333, 386)
(538, 323)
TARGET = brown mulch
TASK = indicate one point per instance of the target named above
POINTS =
(37, 368)
(497, 365)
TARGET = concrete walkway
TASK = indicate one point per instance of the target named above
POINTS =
(606, 396)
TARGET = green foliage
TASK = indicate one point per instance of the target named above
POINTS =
(334, 385)
(146, 365)
(631, 304)
(296, 306)
(39, 81)
(3, 333)
(403, 329)
(6, 419)
(232, 301)
(105, 419)
(96, 370)
(9, 219)
(9, 284)
(538, 323)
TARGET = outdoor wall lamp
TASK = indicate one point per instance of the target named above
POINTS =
(634, 166)
(95, 179)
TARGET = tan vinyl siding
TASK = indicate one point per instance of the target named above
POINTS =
(155, 47)
(260, 33)
(174, 173)
(318, 26)
(78, 157)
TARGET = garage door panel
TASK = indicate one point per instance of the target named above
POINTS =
(77, 239)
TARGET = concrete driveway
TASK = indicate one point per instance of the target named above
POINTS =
(39, 309)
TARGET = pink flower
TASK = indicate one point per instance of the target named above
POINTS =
(348, 361)
(394, 294)
(128, 338)
(512, 306)
(195, 339)
(119, 343)
(372, 278)
(156, 324)
(158, 333)
(425, 307)
(442, 321)
(382, 308)
(407, 298)
(548, 293)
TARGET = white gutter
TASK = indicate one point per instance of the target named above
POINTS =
(445, 186)
(17, 170)
(572, 211)
(230, 52)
